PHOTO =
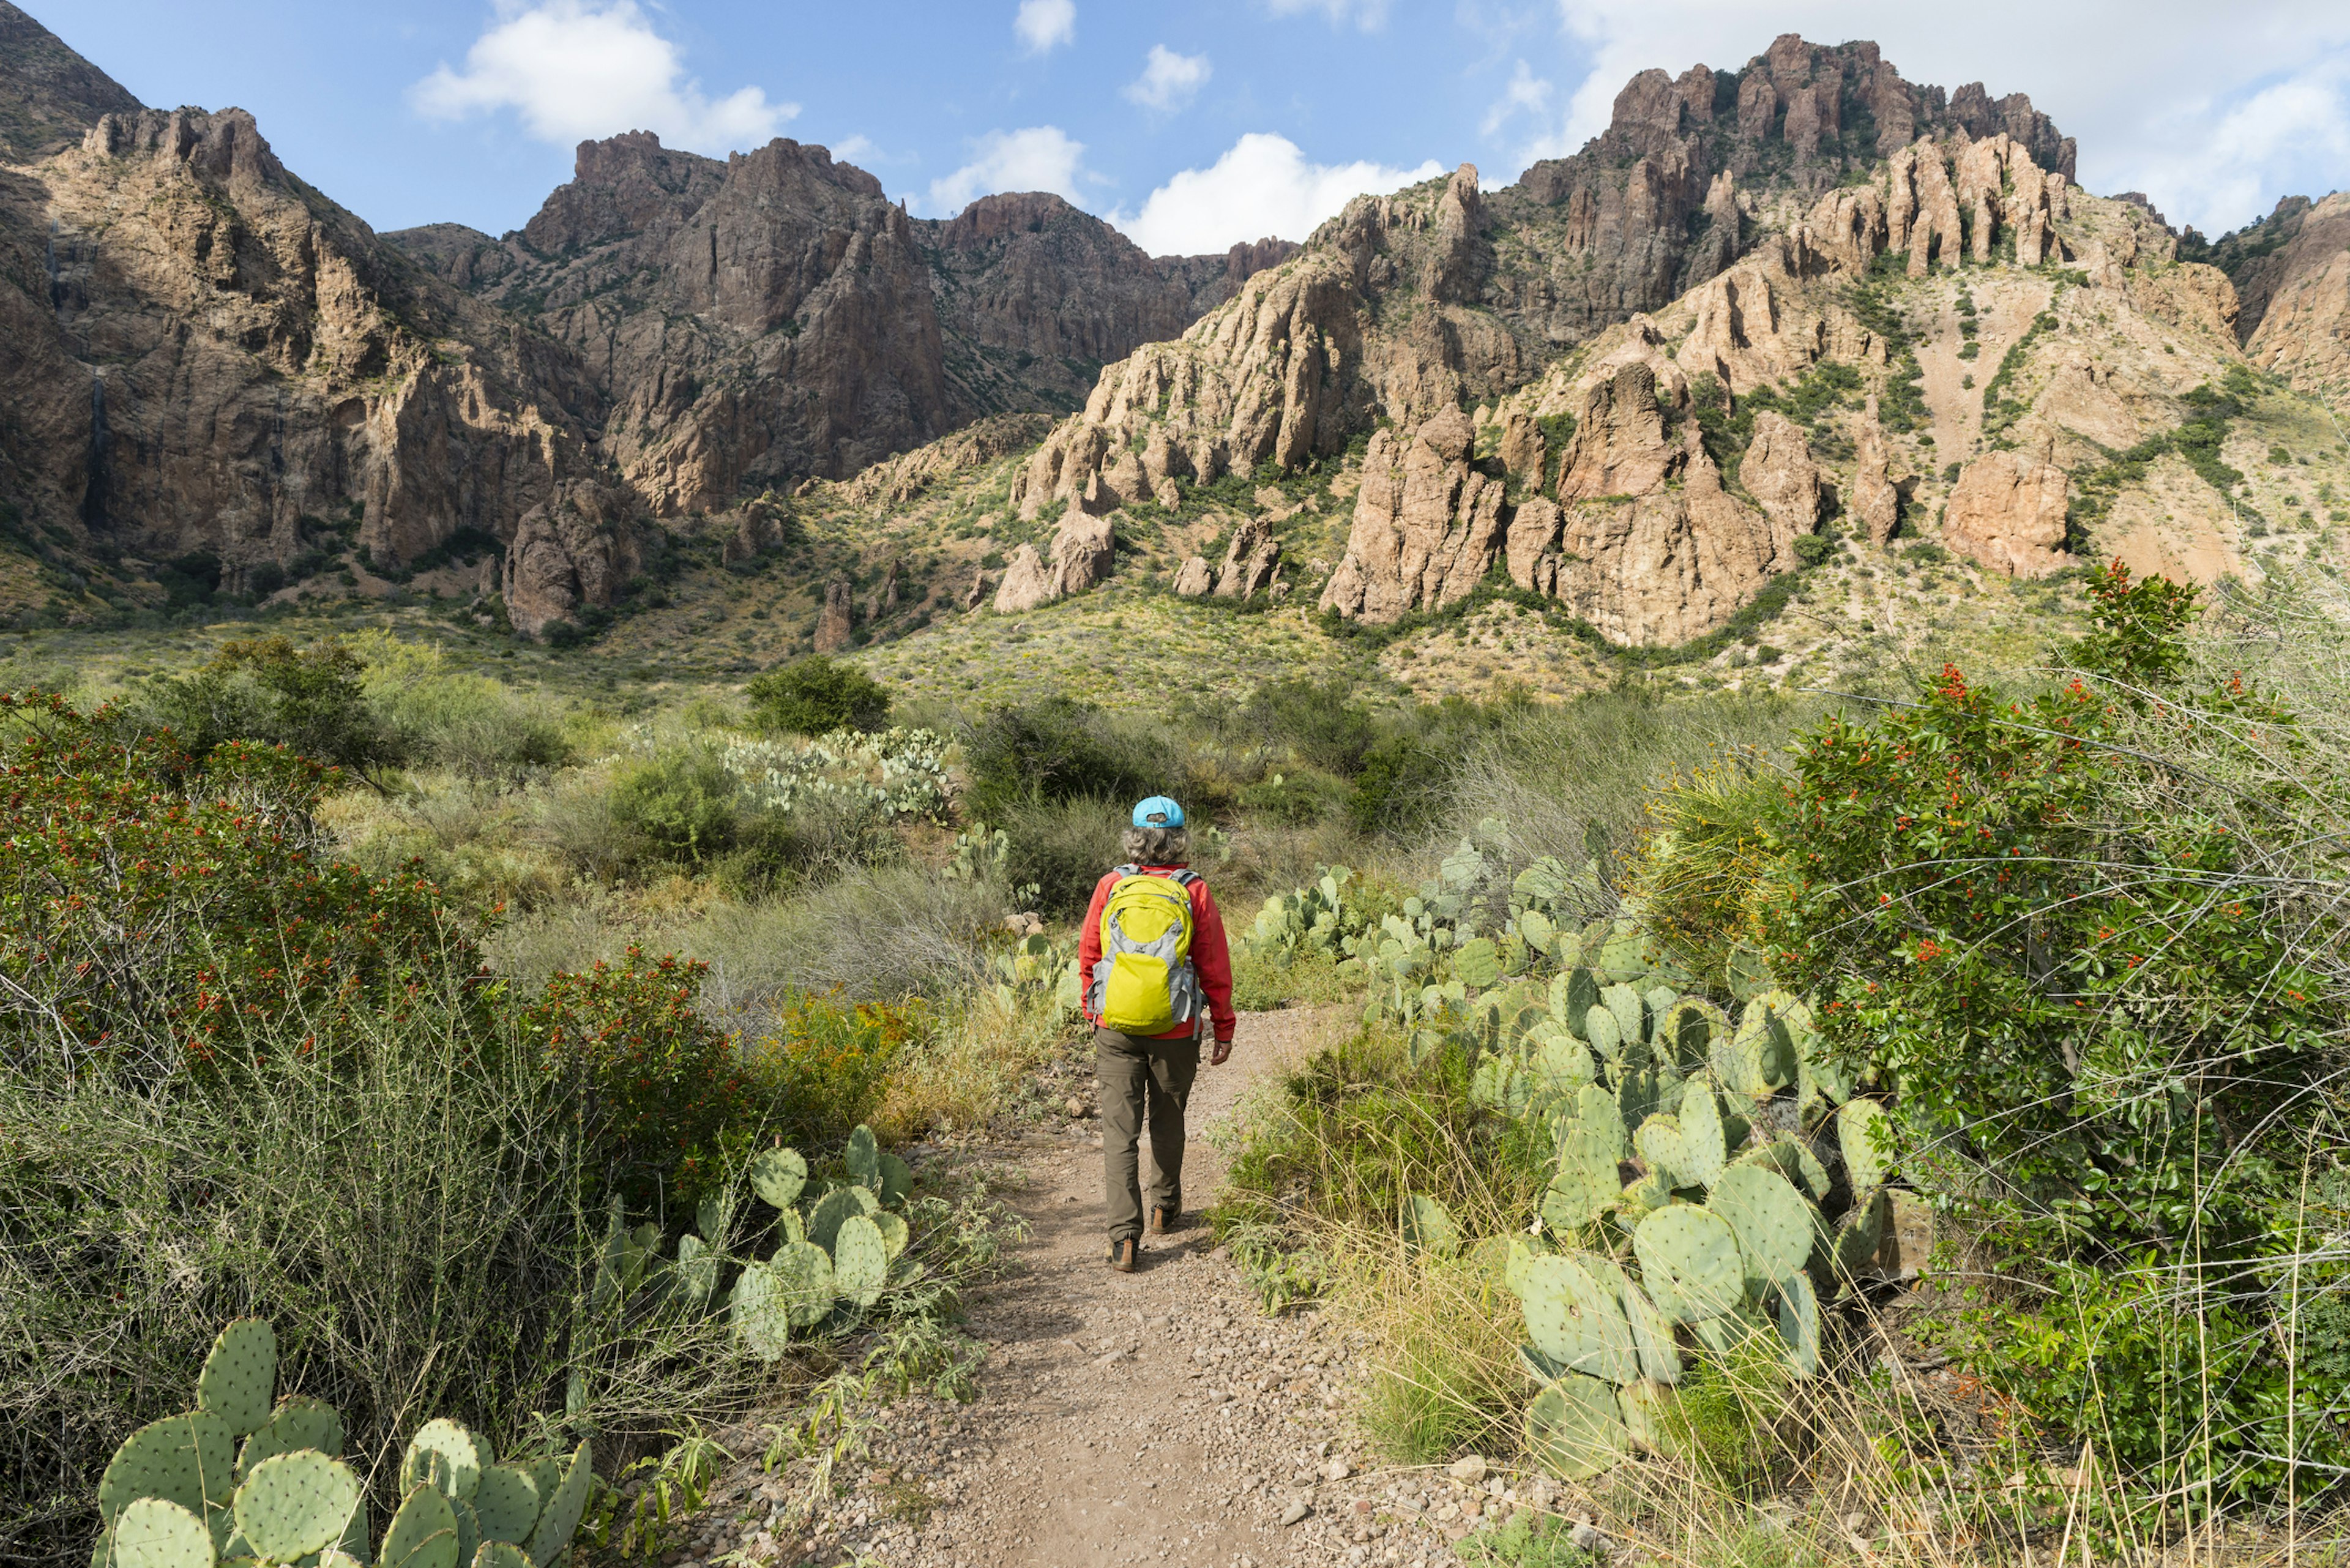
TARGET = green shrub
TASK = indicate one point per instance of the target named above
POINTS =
(310, 700)
(826, 1062)
(1060, 750)
(1062, 848)
(651, 1087)
(816, 695)
(1298, 796)
(1320, 724)
(473, 726)
(684, 805)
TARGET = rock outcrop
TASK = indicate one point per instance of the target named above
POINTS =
(2299, 309)
(1875, 505)
(573, 551)
(1195, 579)
(1779, 473)
(1426, 526)
(836, 620)
(1251, 561)
(50, 95)
(2007, 511)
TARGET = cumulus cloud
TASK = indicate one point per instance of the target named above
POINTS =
(1168, 80)
(1368, 15)
(1044, 25)
(1041, 158)
(2197, 106)
(1527, 94)
(1262, 186)
(573, 70)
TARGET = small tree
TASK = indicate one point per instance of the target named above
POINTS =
(815, 696)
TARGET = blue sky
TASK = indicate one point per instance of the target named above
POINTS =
(1190, 124)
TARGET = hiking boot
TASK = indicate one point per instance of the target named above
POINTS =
(1162, 1221)
(1122, 1255)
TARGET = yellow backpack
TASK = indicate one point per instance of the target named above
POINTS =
(1144, 983)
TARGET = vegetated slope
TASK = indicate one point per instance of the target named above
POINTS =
(1956, 348)
(216, 380)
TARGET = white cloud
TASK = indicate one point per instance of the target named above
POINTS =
(1526, 94)
(1041, 158)
(574, 70)
(1262, 186)
(1371, 16)
(1168, 80)
(2199, 106)
(1044, 24)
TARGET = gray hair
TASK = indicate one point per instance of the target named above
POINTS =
(1158, 846)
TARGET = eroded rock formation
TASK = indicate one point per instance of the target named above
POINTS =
(573, 551)
(1426, 526)
(2007, 511)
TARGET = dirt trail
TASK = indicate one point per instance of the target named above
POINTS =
(1153, 1417)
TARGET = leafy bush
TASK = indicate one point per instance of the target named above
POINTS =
(1322, 726)
(1059, 751)
(651, 1087)
(1062, 848)
(826, 1063)
(310, 700)
(816, 695)
(682, 803)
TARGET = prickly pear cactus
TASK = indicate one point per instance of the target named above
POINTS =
(240, 1375)
(1607, 1036)
(1429, 1227)
(778, 1175)
(491, 1554)
(1585, 1186)
(1595, 1107)
(561, 1515)
(1650, 1410)
(1575, 1429)
(802, 1272)
(423, 1532)
(445, 1455)
(894, 1233)
(300, 1422)
(864, 1158)
(1690, 1262)
(156, 1533)
(1772, 1221)
(506, 1503)
(860, 1261)
(1865, 1133)
(1704, 1143)
(897, 1179)
(697, 1268)
(1659, 1142)
(760, 1310)
(1796, 1311)
(294, 1504)
(835, 1209)
(186, 1460)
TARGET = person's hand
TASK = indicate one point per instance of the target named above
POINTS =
(1222, 1054)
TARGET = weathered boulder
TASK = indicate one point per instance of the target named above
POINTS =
(1250, 561)
(1426, 526)
(1875, 505)
(1027, 583)
(1084, 549)
(1619, 446)
(1778, 472)
(574, 551)
(1195, 580)
(2007, 511)
(836, 619)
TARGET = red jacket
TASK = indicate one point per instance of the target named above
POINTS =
(1212, 958)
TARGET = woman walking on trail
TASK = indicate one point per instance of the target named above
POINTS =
(1153, 954)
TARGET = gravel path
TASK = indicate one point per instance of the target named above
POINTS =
(1153, 1418)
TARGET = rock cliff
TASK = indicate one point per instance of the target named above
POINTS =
(2291, 274)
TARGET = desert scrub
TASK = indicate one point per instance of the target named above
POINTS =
(1446, 1377)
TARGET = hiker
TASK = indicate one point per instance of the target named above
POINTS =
(1152, 951)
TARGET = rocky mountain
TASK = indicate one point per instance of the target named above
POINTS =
(2292, 276)
(214, 377)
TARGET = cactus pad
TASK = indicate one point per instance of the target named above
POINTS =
(1641, 1199)
(759, 1311)
(297, 1503)
(1572, 1319)
(422, 1533)
(506, 1503)
(469, 1530)
(1864, 1133)
(1575, 1429)
(1688, 1262)
(561, 1515)
(1538, 1366)
(1624, 1004)
(1562, 1065)
(1860, 1235)
(1624, 955)
(825, 1219)
(863, 1158)
(714, 1217)
(1587, 1184)
(1429, 1227)
(1797, 1311)
(1704, 1140)
(1645, 1092)
(1574, 998)
(1653, 1416)
(496, 1554)
(897, 1179)
(187, 1460)
(1687, 1035)
(300, 1422)
(1652, 1333)
(1725, 1334)
(802, 1272)
(1773, 1221)
(860, 1261)
(777, 1176)
(894, 1233)
(155, 1532)
(240, 1376)
(1595, 1109)
(697, 1268)
(1662, 1149)
(443, 1453)
(1793, 1159)
(1478, 964)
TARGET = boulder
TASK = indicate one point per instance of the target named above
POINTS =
(885, 593)
(1779, 473)
(1027, 583)
(1426, 526)
(1250, 562)
(2007, 511)
(1876, 503)
(976, 594)
(1619, 446)
(836, 619)
(1195, 580)
(577, 550)
(1084, 549)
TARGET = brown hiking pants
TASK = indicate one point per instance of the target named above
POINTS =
(1142, 1079)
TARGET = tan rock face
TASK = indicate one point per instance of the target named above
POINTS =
(2007, 511)
(1619, 447)
(1668, 566)
(1083, 550)
(1250, 561)
(836, 620)
(573, 551)
(1875, 505)
(1195, 580)
(1778, 472)
(2303, 328)
(1427, 527)
(1027, 583)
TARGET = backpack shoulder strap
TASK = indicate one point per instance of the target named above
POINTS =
(1126, 870)
(1186, 876)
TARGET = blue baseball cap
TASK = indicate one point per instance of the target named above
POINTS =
(1157, 812)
